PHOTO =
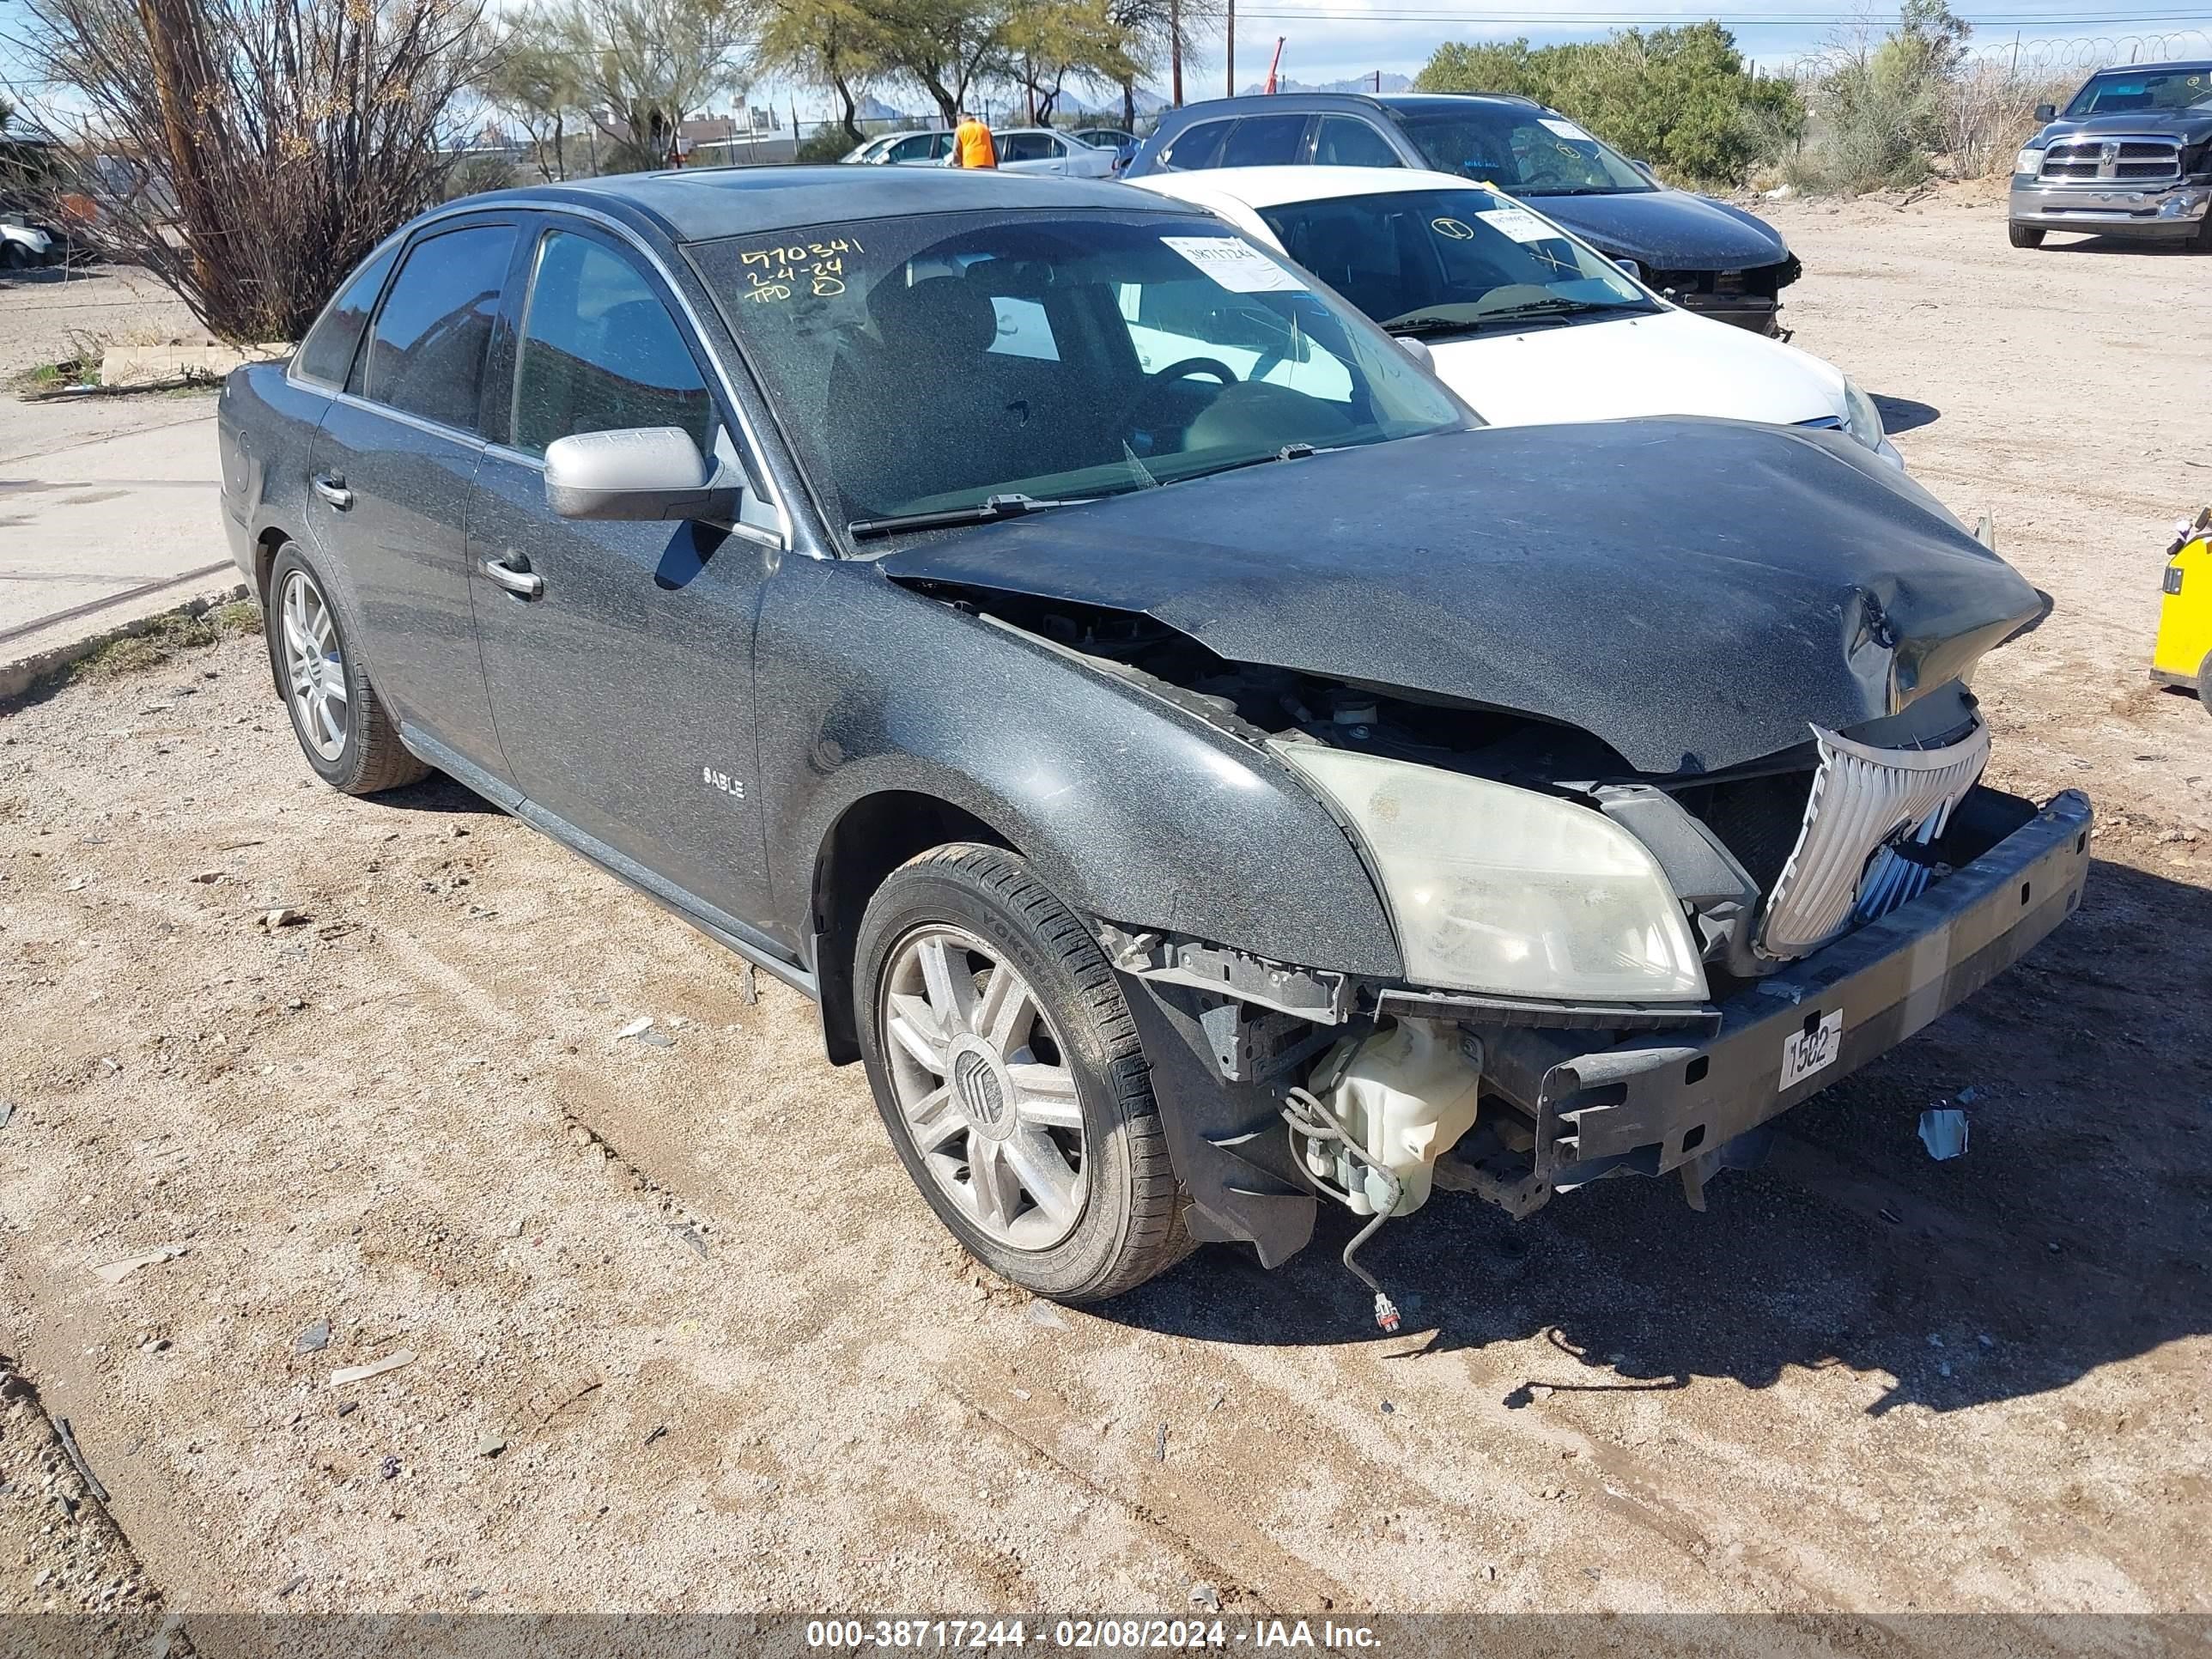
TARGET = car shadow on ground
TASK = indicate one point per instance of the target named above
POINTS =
(2076, 1231)
(1905, 414)
(2156, 250)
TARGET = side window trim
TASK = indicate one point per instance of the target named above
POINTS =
(436, 228)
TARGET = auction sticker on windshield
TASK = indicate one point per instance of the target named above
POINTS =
(1567, 129)
(1519, 224)
(1237, 266)
(1806, 1052)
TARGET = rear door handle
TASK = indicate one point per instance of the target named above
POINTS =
(330, 486)
(527, 584)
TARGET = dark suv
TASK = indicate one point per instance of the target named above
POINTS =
(1709, 256)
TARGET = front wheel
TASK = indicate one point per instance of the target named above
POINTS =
(2025, 235)
(2205, 684)
(1010, 1075)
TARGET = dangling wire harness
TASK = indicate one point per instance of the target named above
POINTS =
(1307, 1116)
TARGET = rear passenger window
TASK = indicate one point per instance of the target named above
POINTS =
(1344, 142)
(426, 356)
(1264, 140)
(327, 352)
(600, 352)
(1198, 148)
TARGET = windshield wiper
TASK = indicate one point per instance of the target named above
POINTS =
(1536, 311)
(1290, 451)
(945, 517)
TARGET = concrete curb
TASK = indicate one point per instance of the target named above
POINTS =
(25, 674)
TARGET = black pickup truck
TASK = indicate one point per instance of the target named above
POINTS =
(2130, 156)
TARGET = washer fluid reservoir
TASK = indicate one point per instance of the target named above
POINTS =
(1405, 1095)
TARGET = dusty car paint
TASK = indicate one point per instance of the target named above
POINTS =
(754, 726)
(1786, 577)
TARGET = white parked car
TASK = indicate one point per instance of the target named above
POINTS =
(1041, 149)
(904, 149)
(1524, 321)
(23, 245)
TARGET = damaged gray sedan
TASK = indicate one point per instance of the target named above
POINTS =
(1197, 791)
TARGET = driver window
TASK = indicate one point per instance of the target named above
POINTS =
(598, 351)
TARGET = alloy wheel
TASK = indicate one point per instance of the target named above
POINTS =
(314, 666)
(984, 1087)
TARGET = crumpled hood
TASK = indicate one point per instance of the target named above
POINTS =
(1669, 229)
(1697, 593)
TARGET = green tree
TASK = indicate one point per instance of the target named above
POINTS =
(1883, 105)
(839, 43)
(944, 46)
(644, 65)
(1047, 40)
(537, 86)
(1679, 98)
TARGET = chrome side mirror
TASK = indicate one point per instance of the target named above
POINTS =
(647, 472)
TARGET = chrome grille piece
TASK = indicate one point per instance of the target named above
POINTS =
(1844, 868)
(2112, 161)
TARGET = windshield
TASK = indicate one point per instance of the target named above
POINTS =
(2186, 87)
(928, 364)
(1526, 152)
(1427, 260)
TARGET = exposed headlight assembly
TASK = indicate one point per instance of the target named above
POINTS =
(1860, 418)
(1499, 889)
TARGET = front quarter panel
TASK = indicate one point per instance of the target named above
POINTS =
(1132, 809)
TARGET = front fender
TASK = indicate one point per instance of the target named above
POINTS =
(1130, 809)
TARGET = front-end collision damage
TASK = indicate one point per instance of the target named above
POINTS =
(1787, 738)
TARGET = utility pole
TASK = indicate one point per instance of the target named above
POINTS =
(179, 71)
(1175, 52)
(1229, 77)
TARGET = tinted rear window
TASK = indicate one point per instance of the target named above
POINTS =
(1198, 148)
(1264, 140)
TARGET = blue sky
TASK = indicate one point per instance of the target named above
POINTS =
(1333, 40)
(1336, 39)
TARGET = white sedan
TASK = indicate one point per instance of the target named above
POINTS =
(1041, 149)
(1521, 319)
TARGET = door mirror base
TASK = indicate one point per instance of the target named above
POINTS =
(652, 473)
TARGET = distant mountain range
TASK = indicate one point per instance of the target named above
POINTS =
(1390, 83)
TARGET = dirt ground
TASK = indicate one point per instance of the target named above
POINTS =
(683, 1337)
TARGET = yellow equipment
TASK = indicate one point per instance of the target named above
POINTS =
(2183, 654)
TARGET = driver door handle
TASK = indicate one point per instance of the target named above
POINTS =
(526, 584)
(330, 486)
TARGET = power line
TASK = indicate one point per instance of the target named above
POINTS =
(2181, 21)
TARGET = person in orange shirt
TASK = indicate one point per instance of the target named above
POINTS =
(971, 144)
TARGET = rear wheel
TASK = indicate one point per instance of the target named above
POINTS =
(344, 730)
(14, 255)
(2025, 235)
(1009, 1072)
(2205, 684)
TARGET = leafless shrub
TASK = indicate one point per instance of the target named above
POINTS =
(250, 152)
(1987, 112)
